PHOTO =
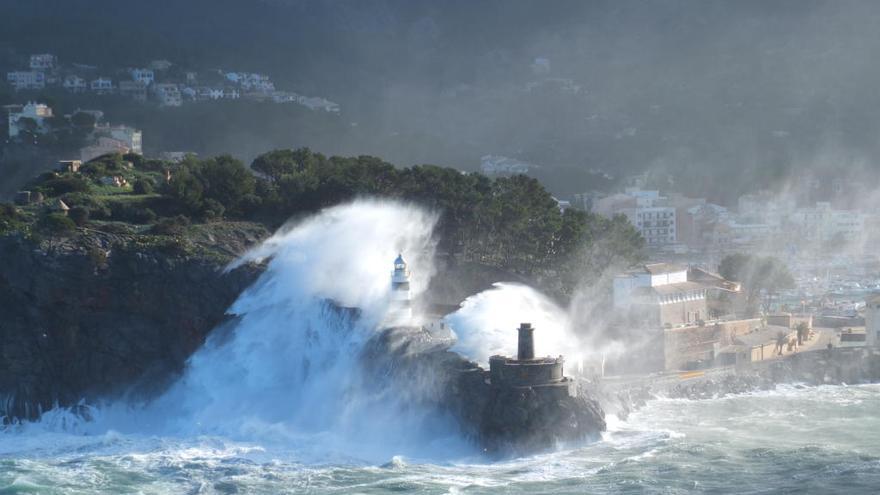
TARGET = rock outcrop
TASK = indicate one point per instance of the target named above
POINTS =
(97, 314)
(502, 420)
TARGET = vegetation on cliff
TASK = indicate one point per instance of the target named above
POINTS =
(511, 223)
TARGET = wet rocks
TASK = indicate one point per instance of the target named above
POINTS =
(89, 316)
(502, 420)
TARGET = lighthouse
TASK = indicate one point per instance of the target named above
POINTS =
(400, 311)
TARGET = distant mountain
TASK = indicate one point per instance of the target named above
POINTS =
(723, 95)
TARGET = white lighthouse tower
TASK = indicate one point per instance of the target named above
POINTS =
(400, 312)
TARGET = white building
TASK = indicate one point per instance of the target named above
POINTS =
(37, 112)
(160, 65)
(168, 94)
(131, 137)
(136, 90)
(648, 211)
(44, 61)
(251, 81)
(657, 224)
(103, 146)
(650, 275)
(22, 80)
(75, 84)
(102, 85)
(824, 223)
(145, 76)
(495, 165)
(400, 309)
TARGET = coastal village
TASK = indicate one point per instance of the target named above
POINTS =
(159, 83)
(686, 314)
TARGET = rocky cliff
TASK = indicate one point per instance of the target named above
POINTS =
(94, 314)
(502, 420)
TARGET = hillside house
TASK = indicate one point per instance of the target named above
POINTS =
(75, 84)
(43, 62)
(19, 119)
(101, 86)
(26, 80)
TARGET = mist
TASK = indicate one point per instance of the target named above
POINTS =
(721, 96)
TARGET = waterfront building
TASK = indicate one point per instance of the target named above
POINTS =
(19, 119)
(872, 320)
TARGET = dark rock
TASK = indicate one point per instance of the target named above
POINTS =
(89, 316)
(503, 420)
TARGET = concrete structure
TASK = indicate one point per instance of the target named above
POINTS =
(113, 139)
(145, 76)
(667, 295)
(497, 165)
(251, 81)
(872, 320)
(37, 112)
(75, 84)
(103, 146)
(71, 166)
(102, 86)
(160, 65)
(653, 215)
(132, 138)
(824, 223)
(24, 80)
(169, 95)
(526, 370)
(43, 61)
(136, 90)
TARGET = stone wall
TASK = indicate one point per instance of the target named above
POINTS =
(682, 313)
(688, 347)
(510, 372)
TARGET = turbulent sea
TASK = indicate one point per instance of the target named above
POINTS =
(791, 440)
(278, 402)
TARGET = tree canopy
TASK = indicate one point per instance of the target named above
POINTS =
(762, 277)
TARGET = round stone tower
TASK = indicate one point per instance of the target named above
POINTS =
(526, 370)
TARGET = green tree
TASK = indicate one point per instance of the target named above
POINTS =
(57, 224)
(142, 186)
(276, 164)
(79, 215)
(761, 277)
(186, 190)
(83, 121)
(227, 181)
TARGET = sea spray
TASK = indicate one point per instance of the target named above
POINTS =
(486, 324)
(287, 369)
(290, 370)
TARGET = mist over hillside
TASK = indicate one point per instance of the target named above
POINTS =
(723, 96)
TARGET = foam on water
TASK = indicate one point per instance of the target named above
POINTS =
(276, 402)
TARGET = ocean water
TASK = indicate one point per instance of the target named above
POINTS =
(790, 440)
(279, 402)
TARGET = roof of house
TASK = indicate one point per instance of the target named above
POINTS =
(668, 289)
(766, 335)
(658, 268)
(709, 278)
